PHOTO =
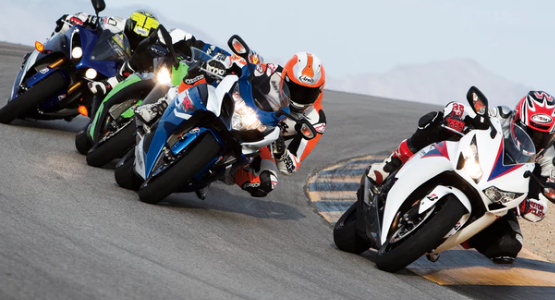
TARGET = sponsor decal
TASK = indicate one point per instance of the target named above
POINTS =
(141, 31)
(306, 79)
(74, 21)
(260, 69)
(187, 104)
(44, 71)
(192, 81)
(458, 109)
(542, 118)
(194, 130)
(61, 97)
(254, 58)
(320, 128)
(272, 67)
(432, 197)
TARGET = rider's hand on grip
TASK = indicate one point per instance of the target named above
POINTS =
(216, 66)
(455, 123)
(279, 148)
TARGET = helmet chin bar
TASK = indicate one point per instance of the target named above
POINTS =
(299, 108)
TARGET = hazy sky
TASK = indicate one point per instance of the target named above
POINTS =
(514, 39)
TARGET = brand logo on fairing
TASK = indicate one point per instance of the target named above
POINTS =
(542, 118)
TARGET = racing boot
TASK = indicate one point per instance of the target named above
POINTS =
(378, 172)
(262, 185)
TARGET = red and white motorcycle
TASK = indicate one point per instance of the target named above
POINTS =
(443, 195)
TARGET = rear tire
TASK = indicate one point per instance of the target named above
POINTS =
(181, 172)
(112, 148)
(345, 233)
(427, 237)
(125, 173)
(39, 92)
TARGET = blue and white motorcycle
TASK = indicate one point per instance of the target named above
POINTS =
(52, 83)
(206, 133)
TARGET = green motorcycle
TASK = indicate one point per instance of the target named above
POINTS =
(111, 132)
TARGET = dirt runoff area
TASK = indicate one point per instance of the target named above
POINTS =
(539, 237)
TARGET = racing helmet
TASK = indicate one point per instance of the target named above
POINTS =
(140, 25)
(535, 113)
(305, 77)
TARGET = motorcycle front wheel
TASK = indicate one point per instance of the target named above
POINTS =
(393, 256)
(180, 172)
(29, 100)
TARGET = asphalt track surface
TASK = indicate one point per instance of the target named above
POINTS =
(67, 231)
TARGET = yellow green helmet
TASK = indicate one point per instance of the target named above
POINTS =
(140, 25)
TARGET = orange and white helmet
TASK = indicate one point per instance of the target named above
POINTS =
(305, 78)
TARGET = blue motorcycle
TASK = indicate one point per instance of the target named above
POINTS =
(52, 82)
(207, 132)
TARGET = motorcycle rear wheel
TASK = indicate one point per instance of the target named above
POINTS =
(181, 172)
(345, 235)
(425, 238)
(29, 100)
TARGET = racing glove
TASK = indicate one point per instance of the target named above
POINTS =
(216, 66)
(149, 113)
(101, 88)
(533, 210)
(454, 123)
(279, 148)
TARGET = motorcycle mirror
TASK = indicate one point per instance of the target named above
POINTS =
(166, 39)
(479, 104)
(303, 126)
(238, 46)
(477, 101)
(307, 130)
(98, 5)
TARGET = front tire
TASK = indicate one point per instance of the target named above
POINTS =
(181, 172)
(29, 100)
(428, 236)
(125, 173)
(113, 148)
(82, 141)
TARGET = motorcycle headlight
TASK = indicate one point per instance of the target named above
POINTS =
(91, 73)
(472, 162)
(163, 76)
(77, 52)
(500, 196)
(245, 117)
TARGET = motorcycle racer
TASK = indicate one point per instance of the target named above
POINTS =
(304, 76)
(502, 241)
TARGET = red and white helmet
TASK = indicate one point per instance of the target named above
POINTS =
(305, 77)
(535, 113)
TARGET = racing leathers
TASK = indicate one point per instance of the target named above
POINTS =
(502, 240)
(262, 176)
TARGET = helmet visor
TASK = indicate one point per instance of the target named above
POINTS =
(541, 139)
(301, 94)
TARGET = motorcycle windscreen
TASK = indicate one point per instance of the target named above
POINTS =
(518, 146)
